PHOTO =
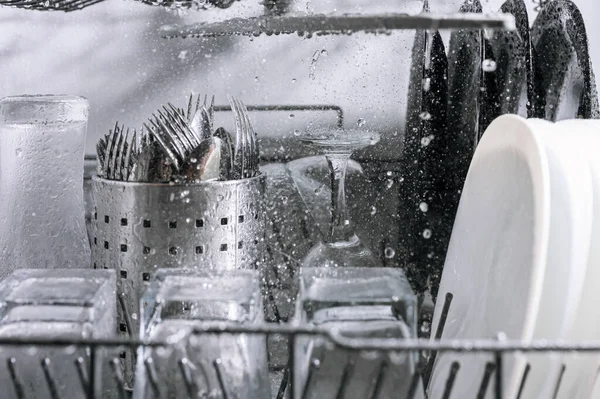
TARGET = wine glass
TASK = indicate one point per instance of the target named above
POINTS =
(340, 245)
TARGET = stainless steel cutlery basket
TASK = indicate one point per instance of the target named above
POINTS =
(137, 228)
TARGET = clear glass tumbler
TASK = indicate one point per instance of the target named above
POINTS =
(202, 365)
(57, 304)
(355, 303)
(42, 222)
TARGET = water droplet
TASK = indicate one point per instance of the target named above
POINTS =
(256, 79)
(426, 84)
(284, 200)
(220, 197)
(373, 210)
(361, 122)
(389, 173)
(425, 116)
(389, 183)
(423, 207)
(488, 65)
(324, 52)
(389, 253)
(427, 234)
(294, 80)
(296, 132)
(193, 160)
(182, 55)
(18, 152)
(425, 141)
(292, 115)
(134, 316)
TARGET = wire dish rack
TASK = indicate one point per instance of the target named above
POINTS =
(426, 350)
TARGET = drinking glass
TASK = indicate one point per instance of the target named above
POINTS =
(340, 245)
(175, 308)
(63, 304)
(42, 222)
(356, 303)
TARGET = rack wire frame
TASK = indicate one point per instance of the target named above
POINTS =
(492, 378)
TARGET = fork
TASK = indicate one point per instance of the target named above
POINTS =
(117, 153)
(173, 134)
(246, 155)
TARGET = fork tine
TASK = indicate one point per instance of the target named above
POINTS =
(174, 129)
(114, 161)
(119, 155)
(244, 139)
(255, 153)
(189, 108)
(111, 151)
(211, 113)
(249, 140)
(238, 154)
(123, 153)
(248, 150)
(132, 156)
(167, 137)
(187, 132)
(197, 104)
(101, 153)
(164, 142)
(169, 130)
(125, 157)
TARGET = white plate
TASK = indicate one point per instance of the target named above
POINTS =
(496, 259)
(571, 194)
(581, 369)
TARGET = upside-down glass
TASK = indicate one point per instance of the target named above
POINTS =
(42, 222)
(226, 365)
(359, 303)
(56, 304)
(340, 245)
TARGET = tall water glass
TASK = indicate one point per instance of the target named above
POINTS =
(42, 222)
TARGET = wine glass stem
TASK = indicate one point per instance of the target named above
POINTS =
(341, 230)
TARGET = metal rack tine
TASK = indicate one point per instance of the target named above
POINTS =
(523, 380)
(438, 335)
(117, 373)
(559, 380)
(221, 378)
(151, 374)
(49, 378)
(12, 370)
(417, 379)
(485, 381)
(184, 367)
(450, 380)
(380, 379)
(81, 372)
(348, 371)
(284, 383)
(314, 366)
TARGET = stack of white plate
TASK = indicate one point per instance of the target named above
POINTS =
(522, 263)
